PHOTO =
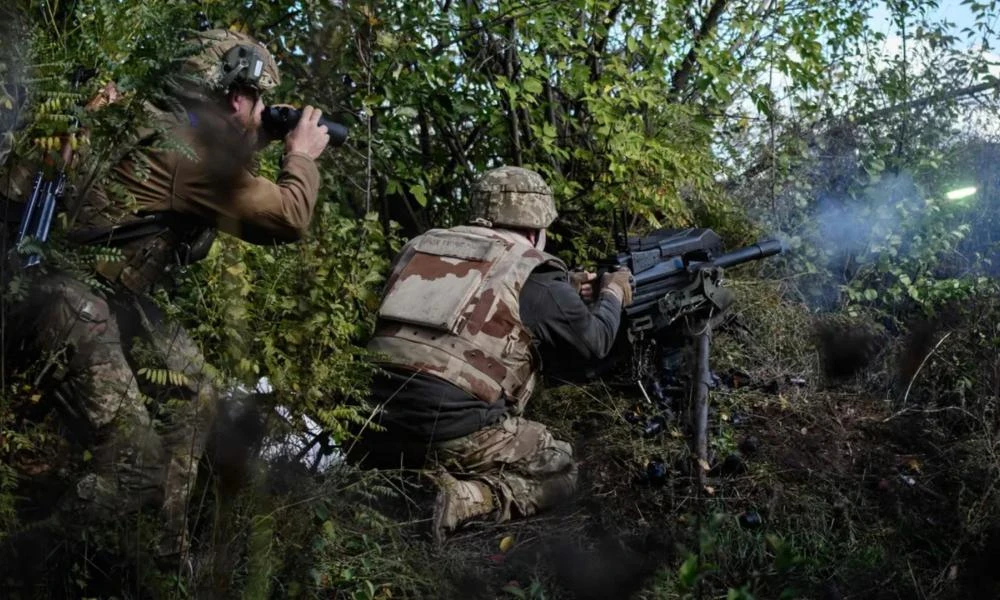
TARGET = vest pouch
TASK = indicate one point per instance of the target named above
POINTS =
(442, 276)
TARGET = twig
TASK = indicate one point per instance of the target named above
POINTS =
(913, 577)
(921, 366)
(926, 411)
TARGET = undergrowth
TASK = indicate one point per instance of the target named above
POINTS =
(838, 490)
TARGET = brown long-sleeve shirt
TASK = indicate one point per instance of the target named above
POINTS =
(197, 173)
(204, 172)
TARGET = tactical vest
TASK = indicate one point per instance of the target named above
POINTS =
(451, 309)
(150, 243)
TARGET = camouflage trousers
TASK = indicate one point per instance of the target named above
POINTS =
(525, 467)
(133, 388)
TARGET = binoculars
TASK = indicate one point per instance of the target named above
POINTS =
(279, 120)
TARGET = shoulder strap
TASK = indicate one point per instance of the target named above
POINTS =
(145, 225)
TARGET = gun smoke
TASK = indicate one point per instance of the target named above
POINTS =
(848, 227)
(902, 228)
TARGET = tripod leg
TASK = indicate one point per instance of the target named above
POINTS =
(699, 414)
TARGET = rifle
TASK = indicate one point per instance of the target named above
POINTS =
(679, 295)
(36, 220)
(48, 188)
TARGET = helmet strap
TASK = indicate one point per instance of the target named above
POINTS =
(540, 240)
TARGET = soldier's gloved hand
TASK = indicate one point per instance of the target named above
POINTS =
(583, 283)
(618, 283)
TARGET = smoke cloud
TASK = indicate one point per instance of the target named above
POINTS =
(847, 225)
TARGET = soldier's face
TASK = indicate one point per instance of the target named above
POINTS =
(248, 107)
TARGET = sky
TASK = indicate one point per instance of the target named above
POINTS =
(953, 10)
(983, 121)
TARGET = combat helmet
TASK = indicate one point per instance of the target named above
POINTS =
(228, 58)
(512, 197)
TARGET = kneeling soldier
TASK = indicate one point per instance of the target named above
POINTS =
(468, 317)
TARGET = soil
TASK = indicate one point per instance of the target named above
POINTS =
(841, 458)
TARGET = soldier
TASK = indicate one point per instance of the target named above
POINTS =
(468, 317)
(183, 180)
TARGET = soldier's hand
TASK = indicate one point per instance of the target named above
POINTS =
(308, 137)
(266, 135)
(618, 283)
(583, 283)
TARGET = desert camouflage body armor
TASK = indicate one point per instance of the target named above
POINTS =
(451, 309)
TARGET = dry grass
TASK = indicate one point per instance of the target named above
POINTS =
(856, 498)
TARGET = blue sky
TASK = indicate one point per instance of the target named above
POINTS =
(951, 10)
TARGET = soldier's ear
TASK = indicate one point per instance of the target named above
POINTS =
(233, 98)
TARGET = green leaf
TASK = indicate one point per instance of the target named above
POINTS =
(515, 592)
(419, 193)
(532, 85)
(406, 111)
(688, 573)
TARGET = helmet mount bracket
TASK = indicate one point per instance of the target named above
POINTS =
(242, 65)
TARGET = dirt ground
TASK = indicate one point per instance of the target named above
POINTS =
(816, 492)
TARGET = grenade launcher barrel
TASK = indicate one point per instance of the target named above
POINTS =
(757, 251)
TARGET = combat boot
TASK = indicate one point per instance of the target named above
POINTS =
(459, 502)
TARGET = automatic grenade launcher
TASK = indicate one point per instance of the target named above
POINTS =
(679, 296)
(678, 273)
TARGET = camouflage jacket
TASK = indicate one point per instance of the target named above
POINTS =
(451, 309)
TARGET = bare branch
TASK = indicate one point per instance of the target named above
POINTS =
(683, 74)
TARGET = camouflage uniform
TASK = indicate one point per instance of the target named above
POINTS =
(149, 431)
(146, 439)
(451, 311)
